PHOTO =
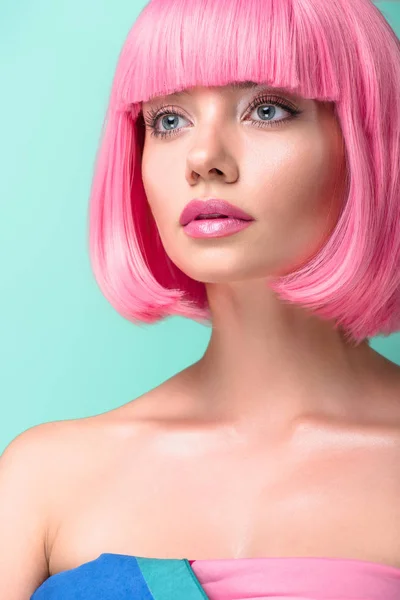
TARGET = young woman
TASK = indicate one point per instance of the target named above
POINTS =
(247, 178)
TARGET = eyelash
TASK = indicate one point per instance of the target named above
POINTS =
(154, 114)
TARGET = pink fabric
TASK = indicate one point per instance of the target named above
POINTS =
(297, 578)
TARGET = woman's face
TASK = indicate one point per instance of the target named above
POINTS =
(235, 143)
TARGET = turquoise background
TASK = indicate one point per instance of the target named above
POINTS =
(65, 352)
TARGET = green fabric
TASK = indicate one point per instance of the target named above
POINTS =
(171, 579)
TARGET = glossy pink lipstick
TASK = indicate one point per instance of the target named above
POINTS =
(213, 218)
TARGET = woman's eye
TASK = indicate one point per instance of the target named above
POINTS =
(169, 122)
(266, 114)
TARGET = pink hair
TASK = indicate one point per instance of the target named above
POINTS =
(341, 51)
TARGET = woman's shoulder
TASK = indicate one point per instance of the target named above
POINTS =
(58, 444)
(68, 447)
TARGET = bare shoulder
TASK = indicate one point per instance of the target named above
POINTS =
(30, 440)
(76, 447)
(30, 454)
(59, 447)
(41, 469)
(37, 455)
(25, 489)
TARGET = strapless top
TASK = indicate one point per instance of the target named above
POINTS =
(126, 577)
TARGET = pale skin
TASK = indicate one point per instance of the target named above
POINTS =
(282, 440)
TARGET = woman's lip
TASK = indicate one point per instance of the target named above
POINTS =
(211, 228)
(211, 206)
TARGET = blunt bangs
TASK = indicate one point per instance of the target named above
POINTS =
(327, 50)
(185, 43)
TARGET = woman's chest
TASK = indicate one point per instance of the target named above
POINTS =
(319, 496)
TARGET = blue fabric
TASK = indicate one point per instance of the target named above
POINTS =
(105, 578)
(123, 577)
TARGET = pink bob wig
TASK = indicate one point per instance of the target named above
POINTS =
(341, 51)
